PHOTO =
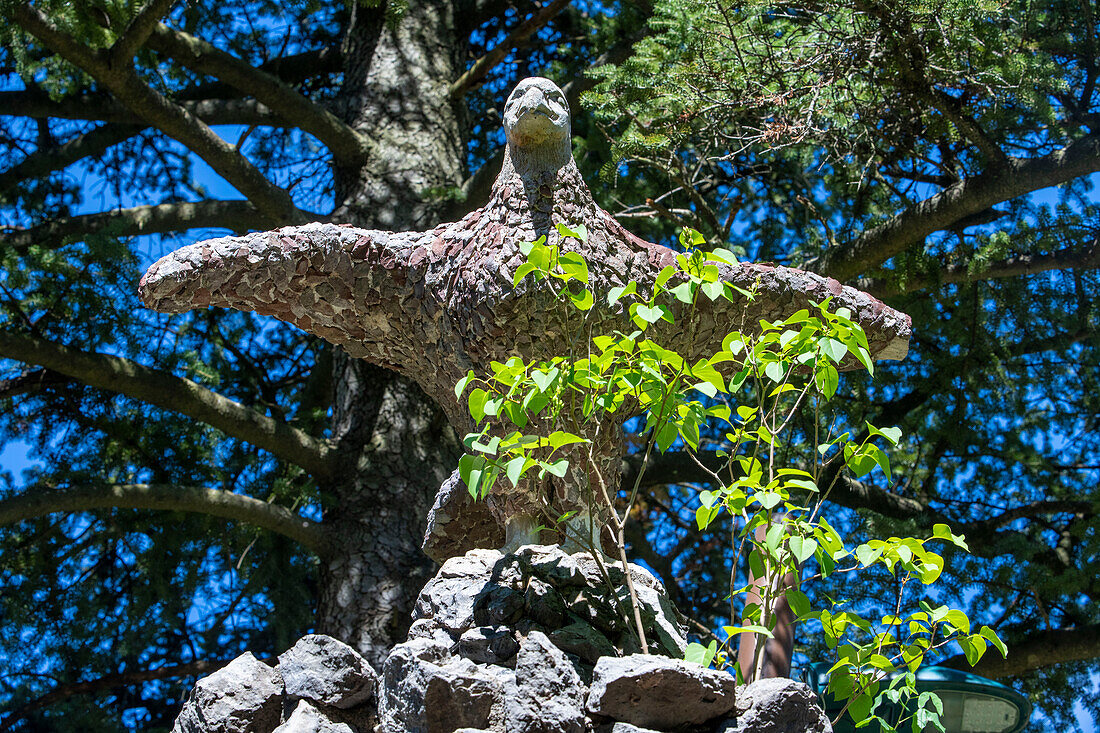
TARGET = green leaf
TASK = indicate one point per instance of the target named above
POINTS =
(768, 499)
(543, 380)
(798, 601)
(690, 238)
(891, 434)
(860, 708)
(835, 350)
(774, 371)
(719, 254)
(868, 555)
(699, 654)
(749, 629)
(558, 468)
(648, 314)
(476, 402)
(683, 292)
(616, 293)
(583, 300)
(522, 271)
(514, 469)
(664, 275)
(460, 385)
(574, 266)
(990, 635)
(560, 438)
(714, 290)
(802, 548)
(826, 380)
(580, 233)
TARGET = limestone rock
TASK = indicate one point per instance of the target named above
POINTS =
(658, 692)
(306, 718)
(245, 696)
(549, 693)
(622, 728)
(488, 645)
(778, 705)
(328, 671)
(426, 690)
(583, 641)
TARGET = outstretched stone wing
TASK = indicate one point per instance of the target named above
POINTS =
(344, 284)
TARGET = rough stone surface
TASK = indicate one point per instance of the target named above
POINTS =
(425, 689)
(328, 671)
(542, 587)
(482, 653)
(435, 304)
(245, 696)
(307, 718)
(549, 693)
(515, 677)
(778, 705)
(658, 692)
(489, 645)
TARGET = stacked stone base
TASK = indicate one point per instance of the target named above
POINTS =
(533, 642)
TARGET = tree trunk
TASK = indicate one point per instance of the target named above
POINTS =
(394, 444)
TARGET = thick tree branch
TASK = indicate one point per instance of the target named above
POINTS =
(102, 108)
(166, 497)
(348, 146)
(238, 216)
(173, 120)
(173, 393)
(110, 681)
(1038, 649)
(678, 467)
(46, 160)
(28, 382)
(1017, 177)
(499, 52)
(1070, 258)
(97, 141)
(138, 31)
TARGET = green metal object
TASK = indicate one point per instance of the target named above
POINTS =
(971, 704)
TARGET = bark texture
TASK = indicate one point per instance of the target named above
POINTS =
(393, 444)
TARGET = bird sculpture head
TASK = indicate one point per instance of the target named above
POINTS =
(536, 124)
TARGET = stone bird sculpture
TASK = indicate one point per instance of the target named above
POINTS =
(432, 305)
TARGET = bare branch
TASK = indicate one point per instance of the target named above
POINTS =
(107, 682)
(46, 160)
(138, 31)
(30, 381)
(167, 497)
(678, 467)
(1070, 258)
(102, 108)
(499, 52)
(173, 393)
(1036, 650)
(173, 120)
(1017, 177)
(238, 216)
(347, 146)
